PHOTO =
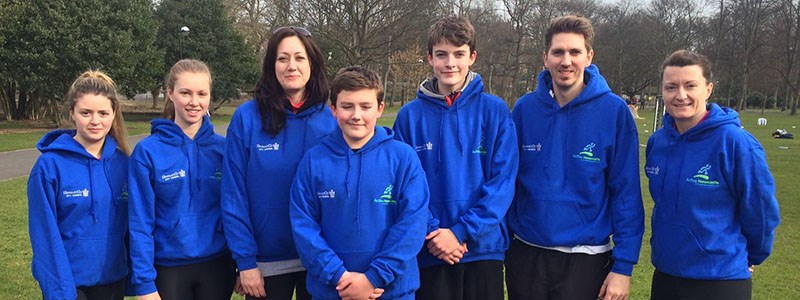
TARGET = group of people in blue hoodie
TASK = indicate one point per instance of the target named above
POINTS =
(461, 199)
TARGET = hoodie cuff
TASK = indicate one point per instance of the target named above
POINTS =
(145, 288)
(337, 276)
(460, 232)
(374, 278)
(246, 263)
(623, 268)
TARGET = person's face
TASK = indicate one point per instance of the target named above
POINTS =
(93, 116)
(292, 67)
(685, 91)
(566, 60)
(450, 65)
(191, 96)
(356, 113)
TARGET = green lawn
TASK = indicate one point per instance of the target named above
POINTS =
(772, 280)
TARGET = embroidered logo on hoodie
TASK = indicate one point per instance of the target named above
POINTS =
(427, 147)
(268, 147)
(76, 193)
(652, 170)
(326, 194)
(386, 198)
(123, 196)
(587, 154)
(174, 175)
(702, 178)
(217, 174)
(480, 150)
(532, 147)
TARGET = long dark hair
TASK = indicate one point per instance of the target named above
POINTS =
(271, 98)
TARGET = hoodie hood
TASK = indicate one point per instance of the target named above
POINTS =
(596, 87)
(718, 116)
(169, 132)
(306, 112)
(64, 140)
(336, 143)
(430, 87)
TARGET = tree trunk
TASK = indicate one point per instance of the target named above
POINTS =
(156, 92)
(9, 100)
(21, 111)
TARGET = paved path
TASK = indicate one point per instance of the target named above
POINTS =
(18, 163)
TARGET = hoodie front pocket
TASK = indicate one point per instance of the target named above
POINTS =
(98, 260)
(677, 251)
(196, 236)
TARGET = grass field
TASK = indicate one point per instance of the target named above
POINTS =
(772, 280)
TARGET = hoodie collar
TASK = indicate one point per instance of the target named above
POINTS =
(336, 143)
(596, 86)
(430, 89)
(305, 113)
(717, 116)
(169, 132)
(64, 140)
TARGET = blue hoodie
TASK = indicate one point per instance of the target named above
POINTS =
(715, 210)
(77, 214)
(360, 212)
(579, 171)
(178, 180)
(469, 153)
(258, 171)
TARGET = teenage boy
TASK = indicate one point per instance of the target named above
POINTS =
(359, 201)
(578, 182)
(468, 147)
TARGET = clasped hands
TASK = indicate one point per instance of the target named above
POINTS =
(443, 244)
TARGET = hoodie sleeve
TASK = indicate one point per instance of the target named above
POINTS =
(625, 196)
(401, 133)
(758, 208)
(497, 191)
(405, 238)
(235, 204)
(50, 264)
(317, 256)
(141, 222)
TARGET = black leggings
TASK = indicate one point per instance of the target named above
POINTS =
(111, 291)
(210, 280)
(284, 286)
(676, 288)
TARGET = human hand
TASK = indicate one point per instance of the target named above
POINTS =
(443, 244)
(151, 296)
(238, 288)
(615, 287)
(355, 286)
(252, 283)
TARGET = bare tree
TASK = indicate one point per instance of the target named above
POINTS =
(365, 32)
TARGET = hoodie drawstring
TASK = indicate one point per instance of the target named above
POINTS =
(91, 192)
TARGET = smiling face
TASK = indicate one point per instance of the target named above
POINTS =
(685, 92)
(356, 112)
(93, 116)
(566, 60)
(191, 96)
(292, 67)
(450, 65)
